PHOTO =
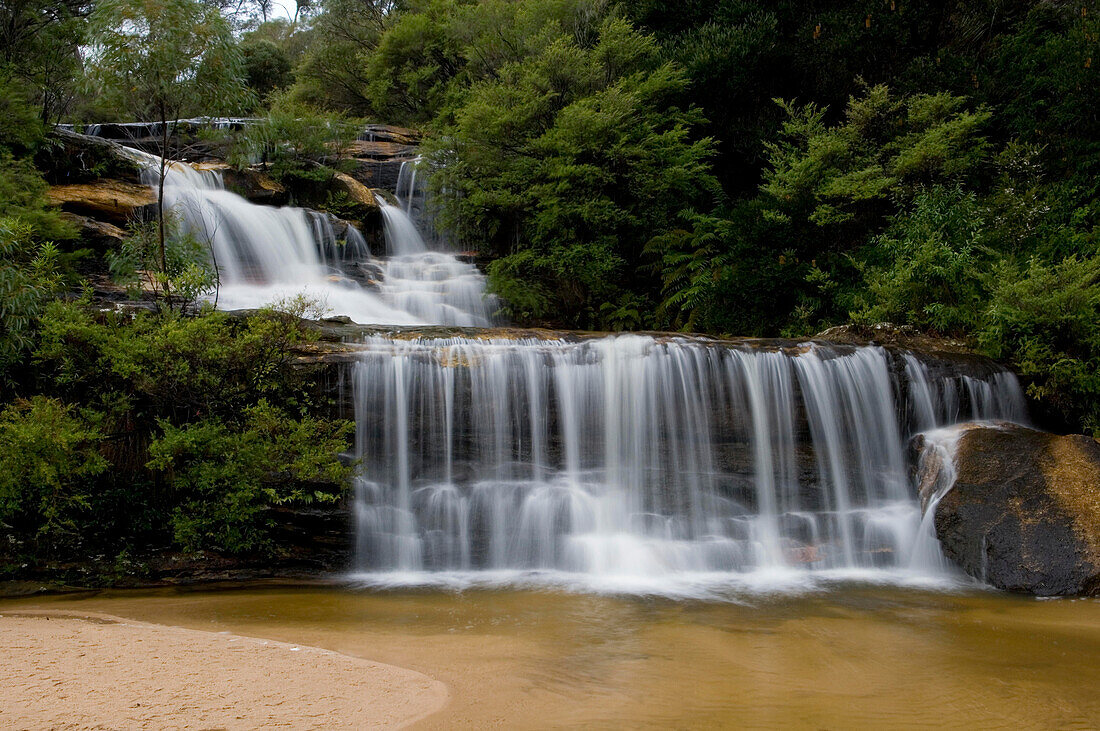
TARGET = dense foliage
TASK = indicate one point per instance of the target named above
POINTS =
(160, 430)
(124, 433)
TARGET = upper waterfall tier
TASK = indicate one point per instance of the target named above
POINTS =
(266, 254)
(643, 457)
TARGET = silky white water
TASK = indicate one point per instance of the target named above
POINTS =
(432, 285)
(635, 463)
(265, 254)
(940, 402)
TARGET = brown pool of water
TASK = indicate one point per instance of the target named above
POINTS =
(850, 657)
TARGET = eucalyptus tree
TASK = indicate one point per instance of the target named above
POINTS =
(39, 50)
(161, 59)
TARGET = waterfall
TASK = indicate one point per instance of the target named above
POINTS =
(634, 462)
(265, 254)
(434, 286)
(634, 457)
(961, 397)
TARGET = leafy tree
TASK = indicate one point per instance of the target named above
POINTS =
(845, 176)
(1045, 318)
(290, 38)
(565, 164)
(298, 142)
(159, 58)
(410, 71)
(332, 73)
(187, 269)
(937, 261)
(266, 67)
(40, 47)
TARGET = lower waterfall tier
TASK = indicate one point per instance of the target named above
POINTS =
(636, 456)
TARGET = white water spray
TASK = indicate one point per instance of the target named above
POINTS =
(434, 286)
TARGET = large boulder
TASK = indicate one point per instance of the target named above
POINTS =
(1023, 509)
(357, 193)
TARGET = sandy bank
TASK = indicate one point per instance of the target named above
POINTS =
(84, 670)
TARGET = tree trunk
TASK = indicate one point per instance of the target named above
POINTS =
(160, 205)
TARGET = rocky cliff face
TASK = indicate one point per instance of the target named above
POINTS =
(1023, 510)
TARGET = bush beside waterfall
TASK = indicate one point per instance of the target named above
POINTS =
(159, 430)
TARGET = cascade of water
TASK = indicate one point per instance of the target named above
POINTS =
(938, 458)
(406, 184)
(434, 286)
(266, 254)
(936, 402)
(632, 456)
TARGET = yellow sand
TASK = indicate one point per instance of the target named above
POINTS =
(63, 669)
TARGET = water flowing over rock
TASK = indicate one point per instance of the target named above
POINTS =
(265, 254)
(644, 457)
(1014, 507)
(432, 285)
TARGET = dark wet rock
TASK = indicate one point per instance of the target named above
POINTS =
(97, 235)
(379, 152)
(367, 274)
(1024, 511)
(69, 158)
(885, 333)
(191, 140)
(251, 183)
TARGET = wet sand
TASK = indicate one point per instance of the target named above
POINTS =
(66, 669)
(852, 657)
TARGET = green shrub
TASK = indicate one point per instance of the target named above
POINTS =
(1045, 318)
(168, 365)
(28, 279)
(298, 142)
(23, 197)
(936, 265)
(188, 273)
(225, 476)
(50, 458)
